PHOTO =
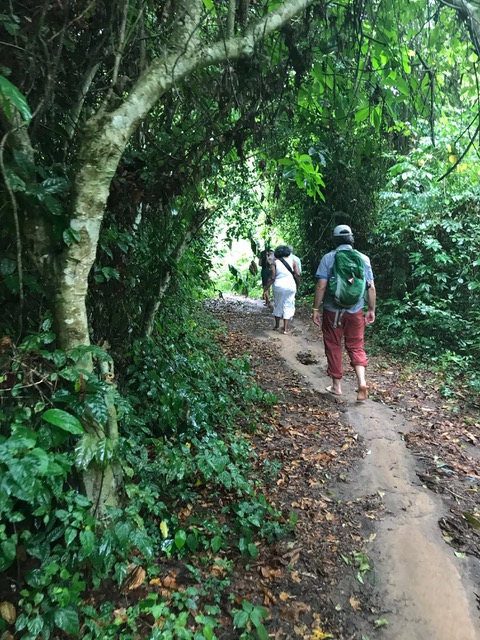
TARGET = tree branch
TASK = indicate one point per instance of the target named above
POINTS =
(465, 151)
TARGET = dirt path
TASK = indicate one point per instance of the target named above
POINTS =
(426, 591)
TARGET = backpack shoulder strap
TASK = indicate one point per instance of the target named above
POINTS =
(285, 263)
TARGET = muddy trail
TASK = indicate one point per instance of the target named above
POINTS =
(387, 542)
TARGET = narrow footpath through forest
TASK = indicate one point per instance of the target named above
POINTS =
(387, 543)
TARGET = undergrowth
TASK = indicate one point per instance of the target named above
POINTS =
(189, 498)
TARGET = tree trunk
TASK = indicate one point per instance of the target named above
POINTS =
(105, 140)
(166, 272)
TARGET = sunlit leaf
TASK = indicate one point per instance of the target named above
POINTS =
(10, 97)
(63, 420)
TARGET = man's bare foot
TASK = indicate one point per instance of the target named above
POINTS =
(362, 394)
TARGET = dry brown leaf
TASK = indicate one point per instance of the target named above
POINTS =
(268, 597)
(269, 573)
(291, 557)
(185, 512)
(135, 578)
(120, 614)
(301, 631)
(218, 571)
(8, 612)
(293, 611)
(355, 604)
(295, 576)
(170, 581)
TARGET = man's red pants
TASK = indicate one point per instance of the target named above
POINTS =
(351, 327)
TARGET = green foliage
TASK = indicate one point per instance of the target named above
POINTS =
(182, 399)
(426, 253)
(306, 175)
(250, 618)
(430, 234)
(245, 282)
(12, 99)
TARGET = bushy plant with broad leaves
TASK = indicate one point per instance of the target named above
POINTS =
(427, 251)
(51, 543)
(179, 403)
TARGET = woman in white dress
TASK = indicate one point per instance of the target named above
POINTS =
(284, 277)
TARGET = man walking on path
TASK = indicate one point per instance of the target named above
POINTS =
(347, 323)
(296, 259)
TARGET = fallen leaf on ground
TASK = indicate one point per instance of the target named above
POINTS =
(318, 634)
(8, 612)
(135, 578)
(268, 572)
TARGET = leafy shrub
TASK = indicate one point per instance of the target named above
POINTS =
(427, 253)
(178, 410)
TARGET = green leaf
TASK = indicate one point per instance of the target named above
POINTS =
(66, 619)
(87, 539)
(381, 622)
(8, 551)
(262, 632)
(216, 544)
(70, 535)
(304, 159)
(258, 615)
(35, 625)
(105, 451)
(70, 236)
(14, 181)
(402, 86)
(7, 266)
(64, 421)
(207, 632)
(53, 205)
(180, 538)
(362, 114)
(42, 461)
(55, 185)
(240, 619)
(472, 520)
(11, 96)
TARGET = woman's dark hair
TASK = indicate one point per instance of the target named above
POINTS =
(282, 251)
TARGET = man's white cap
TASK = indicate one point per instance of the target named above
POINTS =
(342, 230)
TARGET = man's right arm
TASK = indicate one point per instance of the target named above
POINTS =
(371, 300)
(320, 289)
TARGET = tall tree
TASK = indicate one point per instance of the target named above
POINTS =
(92, 73)
(194, 36)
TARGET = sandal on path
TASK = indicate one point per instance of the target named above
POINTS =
(331, 390)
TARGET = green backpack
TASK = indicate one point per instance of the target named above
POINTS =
(348, 284)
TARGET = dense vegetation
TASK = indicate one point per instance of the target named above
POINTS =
(131, 132)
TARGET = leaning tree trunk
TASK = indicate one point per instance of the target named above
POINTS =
(103, 143)
(165, 275)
